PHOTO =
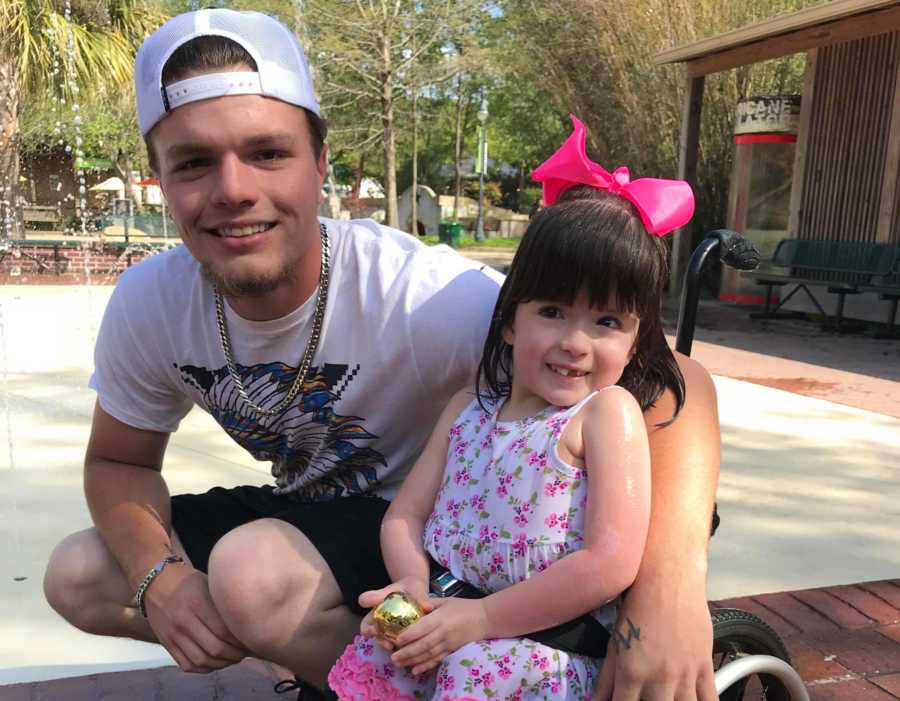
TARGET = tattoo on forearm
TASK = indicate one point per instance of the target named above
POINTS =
(155, 514)
(623, 638)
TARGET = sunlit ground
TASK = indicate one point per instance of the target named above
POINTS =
(808, 494)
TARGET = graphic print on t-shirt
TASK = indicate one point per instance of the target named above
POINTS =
(315, 452)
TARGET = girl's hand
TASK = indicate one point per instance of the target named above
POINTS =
(452, 624)
(415, 587)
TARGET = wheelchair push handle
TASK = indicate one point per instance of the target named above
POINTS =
(734, 251)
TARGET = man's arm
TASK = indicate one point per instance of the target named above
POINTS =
(126, 494)
(129, 503)
(662, 645)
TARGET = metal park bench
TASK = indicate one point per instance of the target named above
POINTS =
(42, 216)
(842, 267)
(887, 287)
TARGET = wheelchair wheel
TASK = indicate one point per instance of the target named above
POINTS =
(737, 634)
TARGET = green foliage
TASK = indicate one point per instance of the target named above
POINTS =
(107, 128)
(492, 191)
(533, 61)
(529, 197)
(90, 45)
(525, 123)
(595, 59)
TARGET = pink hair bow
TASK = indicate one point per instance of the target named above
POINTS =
(664, 205)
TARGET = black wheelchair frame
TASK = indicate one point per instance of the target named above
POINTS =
(750, 660)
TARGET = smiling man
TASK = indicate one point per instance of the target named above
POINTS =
(326, 347)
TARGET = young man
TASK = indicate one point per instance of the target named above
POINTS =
(326, 347)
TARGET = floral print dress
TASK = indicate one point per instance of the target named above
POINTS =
(508, 507)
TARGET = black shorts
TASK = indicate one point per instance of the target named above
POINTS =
(345, 531)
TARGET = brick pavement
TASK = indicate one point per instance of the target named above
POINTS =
(844, 641)
(251, 680)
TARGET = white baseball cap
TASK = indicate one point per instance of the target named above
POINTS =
(281, 68)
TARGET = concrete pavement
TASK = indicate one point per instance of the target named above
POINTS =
(808, 489)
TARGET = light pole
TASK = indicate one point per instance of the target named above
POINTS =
(481, 166)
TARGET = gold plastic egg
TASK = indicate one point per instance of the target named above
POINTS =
(396, 612)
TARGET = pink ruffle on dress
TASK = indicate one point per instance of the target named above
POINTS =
(508, 507)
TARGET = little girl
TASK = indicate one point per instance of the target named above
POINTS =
(534, 490)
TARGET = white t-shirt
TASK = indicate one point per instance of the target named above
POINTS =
(403, 330)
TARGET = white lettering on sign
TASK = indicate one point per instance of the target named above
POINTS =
(768, 115)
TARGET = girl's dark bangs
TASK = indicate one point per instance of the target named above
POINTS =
(557, 270)
(589, 254)
(631, 259)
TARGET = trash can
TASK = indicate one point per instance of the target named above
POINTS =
(449, 233)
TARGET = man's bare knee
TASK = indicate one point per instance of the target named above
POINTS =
(260, 568)
(278, 596)
(82, 578)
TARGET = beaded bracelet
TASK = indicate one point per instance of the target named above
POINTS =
(151, 575)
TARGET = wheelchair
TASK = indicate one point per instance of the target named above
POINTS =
(749, 659)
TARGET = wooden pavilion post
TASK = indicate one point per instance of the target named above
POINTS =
(687, 170)
(795, 215)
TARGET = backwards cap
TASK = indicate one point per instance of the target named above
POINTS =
(281, 68)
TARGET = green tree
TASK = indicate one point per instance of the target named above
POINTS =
(107, 129)
(368, 58)
(595, 58)
(65, 51)
(523, 129)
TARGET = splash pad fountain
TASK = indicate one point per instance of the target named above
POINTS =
(55, 282)
(69, 240)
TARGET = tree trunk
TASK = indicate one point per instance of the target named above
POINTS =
(357, 181)
(414, 203)
(414, 200)
(457, 160)
(334, 200)
(390, 166)
(392, 218)
(519, 188)
(129, 197)
(10, 202)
